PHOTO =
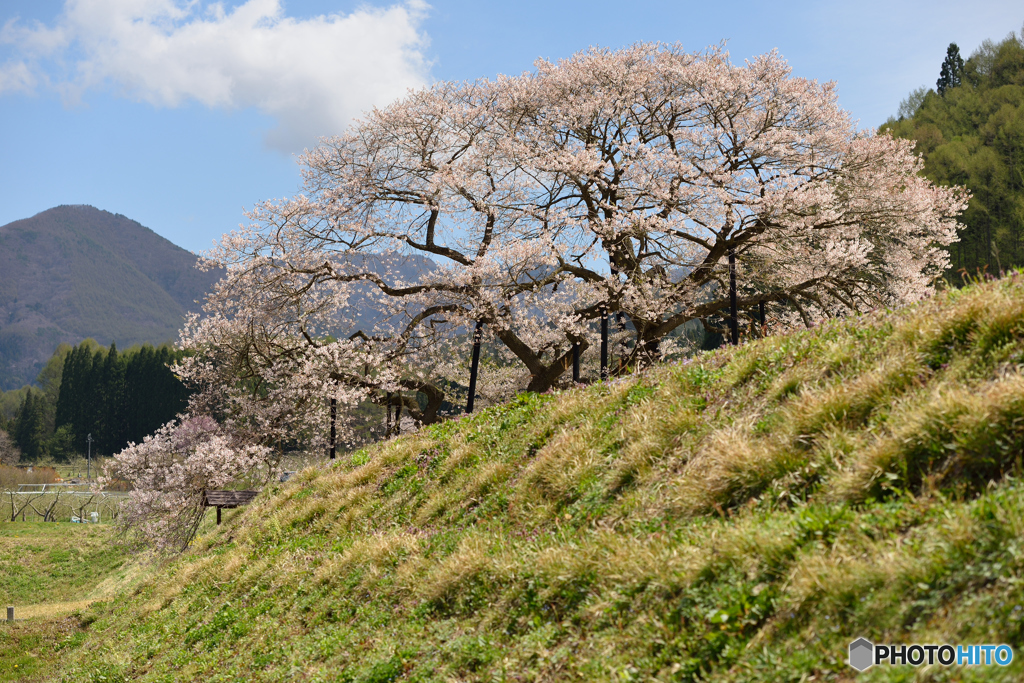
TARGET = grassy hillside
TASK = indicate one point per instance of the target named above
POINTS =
(739, 517)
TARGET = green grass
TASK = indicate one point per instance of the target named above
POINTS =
(50, 572)
(45, 562)
(32, 651)
(739, 517)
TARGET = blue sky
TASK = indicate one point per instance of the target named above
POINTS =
(181, 114)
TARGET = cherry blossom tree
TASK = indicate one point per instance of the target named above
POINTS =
(662, 163)
(613, 182)
(170, 472)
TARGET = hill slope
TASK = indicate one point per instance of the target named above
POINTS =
(74, 272)
(743, 516)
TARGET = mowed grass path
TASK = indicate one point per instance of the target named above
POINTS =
(50, 563)
(48, 572)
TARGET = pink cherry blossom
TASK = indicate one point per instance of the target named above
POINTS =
(171, 470)
(615, 180)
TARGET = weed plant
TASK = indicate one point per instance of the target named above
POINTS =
(13, 477)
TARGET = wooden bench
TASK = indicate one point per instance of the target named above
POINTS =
(228, 499)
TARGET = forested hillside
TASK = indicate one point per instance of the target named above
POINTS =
(970, 131)
(75, 272)
(92, 390)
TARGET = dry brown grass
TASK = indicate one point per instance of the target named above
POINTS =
(13, 477)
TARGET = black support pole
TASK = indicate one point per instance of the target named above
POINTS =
(604, 344)
(576, 363)
(734, 328)
(474, 368)
(334, 417)
(764, 321)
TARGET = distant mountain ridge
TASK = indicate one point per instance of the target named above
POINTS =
(74, 272)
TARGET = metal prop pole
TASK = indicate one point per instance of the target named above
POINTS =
(475, 366)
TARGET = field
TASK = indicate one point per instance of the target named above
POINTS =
(47, 564)
(50, 573)
(742, 516)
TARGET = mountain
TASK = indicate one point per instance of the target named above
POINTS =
(74, 272)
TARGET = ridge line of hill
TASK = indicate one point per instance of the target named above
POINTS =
(75, 272)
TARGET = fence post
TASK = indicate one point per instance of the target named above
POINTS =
(10, 614)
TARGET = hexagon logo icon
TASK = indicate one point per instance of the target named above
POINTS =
(862, 654)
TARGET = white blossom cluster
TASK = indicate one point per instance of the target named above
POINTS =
(613, 181)
(170, 472)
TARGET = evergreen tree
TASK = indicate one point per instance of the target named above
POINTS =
(61, 444)
(111, 417)
(952, 70)
(28, 428)
(67, 395)
(92, 407)
(117, 398)
(78, 402)
(973, 135)
(139, 389)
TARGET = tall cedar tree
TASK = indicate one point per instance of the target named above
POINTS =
(67, 396)
(28, 427)
(118, 398)
(111, 406)
(951, 71)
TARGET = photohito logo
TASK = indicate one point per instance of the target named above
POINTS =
(865, 654)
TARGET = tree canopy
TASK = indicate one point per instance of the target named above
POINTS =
(973, 135)
(613, 181)
(951, 71)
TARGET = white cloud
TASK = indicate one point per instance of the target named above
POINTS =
(16, 76)
(313, 75)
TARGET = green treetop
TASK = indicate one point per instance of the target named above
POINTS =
(952, 70)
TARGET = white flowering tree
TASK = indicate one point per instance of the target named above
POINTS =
(614, 181)
(170, 472)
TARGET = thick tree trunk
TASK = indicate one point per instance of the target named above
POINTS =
(546, 379)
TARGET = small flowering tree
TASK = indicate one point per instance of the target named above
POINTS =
(170, 472)
(614, 181)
